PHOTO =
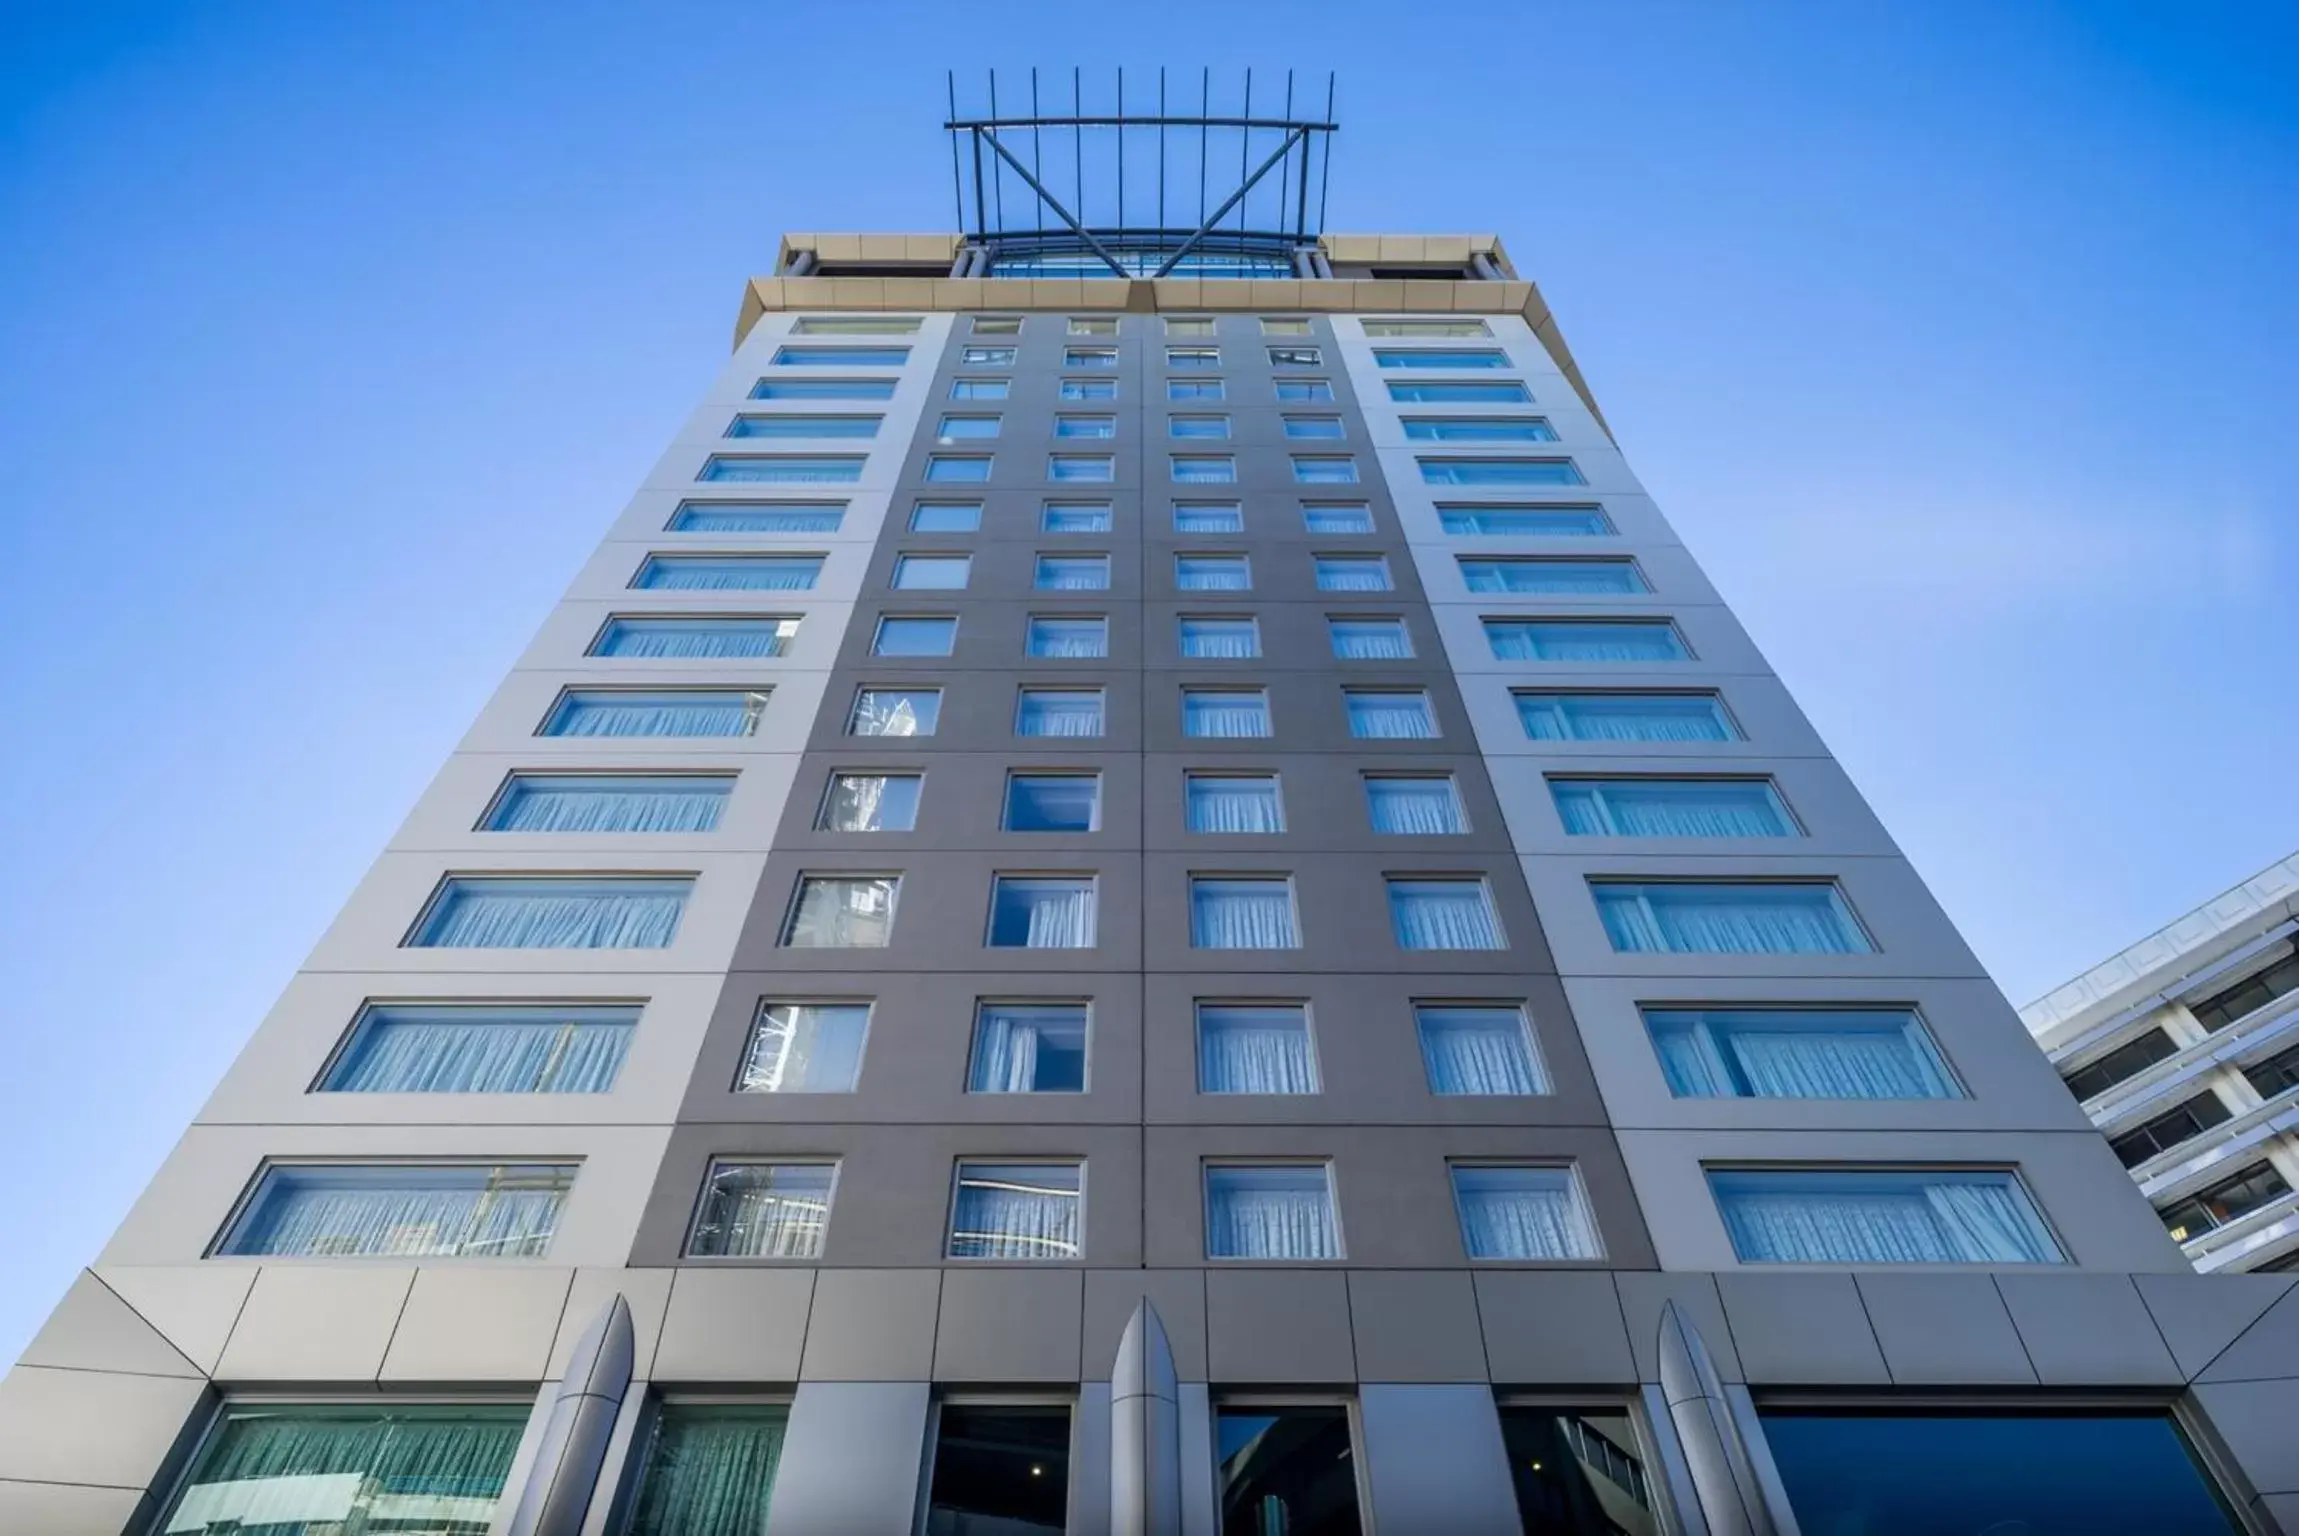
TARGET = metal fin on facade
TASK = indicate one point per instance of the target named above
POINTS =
(1145, 1431)
(581, 1409)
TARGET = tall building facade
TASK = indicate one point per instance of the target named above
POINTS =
(2184, 1050)
(1146, 902)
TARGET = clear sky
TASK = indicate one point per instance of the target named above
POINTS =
(1957, 337)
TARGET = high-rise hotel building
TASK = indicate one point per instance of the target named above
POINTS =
(1141, 891)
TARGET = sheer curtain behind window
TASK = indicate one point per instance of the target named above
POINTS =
(1472, 1050)
(1245, 804)
(1670, 808)
(1390, 716)
(1016, 1211)
(1523, 1213)
(763, 1211)
(1241, 914)
(1243, 1048)
(1688, 917)
(1880, 1217)
(512, 1048)
(353, 1210)
(1028, 1048)
(681, 713)
(1443, 914)
(1270, 1212)
(1042, 914)
(1215, 714)
(1880, 1053)
(543, 913)
(1414, 807)
(1045, 713)
(710, 1470)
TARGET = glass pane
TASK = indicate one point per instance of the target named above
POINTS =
(1029, 1048)
(1290, 391)
(1085, 426)
(1078, 466)
(895, 712)
(483, 1048)
(1500, 472)
(1286, 1472)
(1369, 639)
(1525, 522)
(932, 573)
(1426, 329)
(690, 639)
(1208, 517)
(957, 470)
(854, 325)
(946, 517)
(803, 426)
(1233, 803)
(1572, 577)
(762, 1211)
(1880, 1216)
(681, 712)
(870, 802)
(1053, 802)
(1671, 808)
(1089, 389)
(823, 389)
(781, 469)
(1352, 574)
(728, 573)
(1713, 918)
(1390, 716)
(915, 637)
(1000, 1471)
(598, 802)
(953, 429)
(980, 389)
(1325, 471)
(313, 1471)
(1244, 1048)
(1220, 639)
(1798, 1053)
(852, 357)
(1523, 1213)
(374, 1210)
(1212, 573)
(758, 517)
(1204, 471)
(1241, 914)
(1337, 519)
(1073, 573)
(1414, 806)
(1440, 357)
(1017, 1211)
(1478, 429)
(710, 1470)
(1193, 389)
(1479, 1050)
(546, 912)
(1604, 640)
(1041, 913)
(1625, 717)
(1212, 712)
(1198, 426)
(1051, 712)
(1443, 914)
(1465, 392)
(1577, 1474)
(1069, 639)
(805, 1048)
(832, 912)
(1270, 1211)
(1314, 427)
(1076, 517)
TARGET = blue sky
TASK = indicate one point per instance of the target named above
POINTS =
(1957, 338)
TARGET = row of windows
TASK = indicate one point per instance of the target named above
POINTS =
(1089, 571)
(1044, 1045)
(1469, 520)
(955, 428)
(1413, 327)
(1101, 469)
(1285, 389)
(1086, 636)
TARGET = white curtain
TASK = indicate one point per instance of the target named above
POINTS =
(1443, 914)
(1414, 807)
(732, 573)
(1073, 576)
(1567, 640)
(1254, 1050)
(1043, 914)
(1212, 575)
(1241, 914)
(1224, 715)
(733, 517)
(355, 1211)
(750, 470)
(1792, 1056)
(1233, 805)
(1581, 577)
(1367, 640)
(696, 713)
(1523, 523)
(584, 803)
(1209, 641)
(1208, 520)
(843, 914)
(1068, 639)
(1479, 1051)
(691, 638)
(1015, 1211)
(1007, 1040)
(763, 1211)
(1391, 717)
(1337, 520)
(1626, 717)
(478, 1049)
(1781, 918)
(1352, 576)
(1881, 1218)
(879, 712)
(1523, 1213)
(541, 913)
(1049, 714)
(1269, 1213)
(1682, 808)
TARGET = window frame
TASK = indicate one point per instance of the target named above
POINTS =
(1014, 776)
(718, 1160)
(878, 635)
(809, 877)
(769, 1001)
(1090, 879)
(837, 776)
(958, 1166)
(1209, 1165)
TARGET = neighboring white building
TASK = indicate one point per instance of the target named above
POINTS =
(2184, 1049)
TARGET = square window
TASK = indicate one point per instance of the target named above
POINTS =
(1208, 517)
(1193, 357)
(1284, 325)
(951, 469)
(900, 635)
(946, 517)
(996, 325)
(1233, 803)
(1073, 573)
(1242, 912)
(1090, 357)
(1439, 913)
(1324, 471)
(1075, 468)
(1041, 912)
(1212, 573)
(1353, 573)
(1204, 469)
(1075, 712)
(1028, 1048)
(869, 802)
(1304, 391)
(1314, 427)
(1085, 426)
(1093, 325)
(931, 573)
(958, 429)
(1275, 1211)
(980, 389)
(1381, 639)
(1296, 357)
(1209, 638)
(986, 357)
(1479, 1049)
(691, 1435)
(1071, 639)
(1053, 802)
(804, 1048)
(1180, 327)
(1524, 1212)
(1182, 391)
(1018, 1211)
(997, 1467)
(842, 912)
(762, 1210)
(1414, 804)
(1089, 389)
(895, 712)
(1255, 1048)
(1075, 517)
(1224, 712)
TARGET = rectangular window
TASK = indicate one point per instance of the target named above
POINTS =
(1072, 573)
(1212, 639)
(625, 636)
(1352, 573)
(1208, 517)
(1093, 325)
(1390, 714)
(1084, 638)
(1018, 1211)
(757, 517)
(1233, 803)
(1271, 1211)
(1180, 390)
(1425, 330)
(2229, 1200)
(1041, 912)
(1204, 469)
(1479, 1050)
(1337, 517)
(1478, 429)
(1324, 471)
(351, 1467)
(1798, 1053)
(1028, 1048)
(958, 469)
(1296, 357)
(1525, 522)
(946, 517)
(1440, 357)
(1291, 1468)
(1090, 357)
(1212, 573)
(895, 712)
(1648, 807)
(870, 802)
(1369, 639)
(2254, 992)
(1567, 1461)
(551, 912)
(1625, 717)
(997, 1468)
(842, 912)
(780, 469)
(1255, 1048)
(709, 1466)
(401, 1210)
(483, 1048)
(1438, 913)
(959, 429)
(1325, 428)
(931, 573)
(1880, 1216)
(1081, 468)
(762, 1210)
(1414, 805)
(2122, 1064)
(804, 426)
(1069, 425)
(728, 573)
(1224, 712)
(1193, 357)
(1197, 426)
(2153, 1137)
(1059, 712)
(2276, 1075)
(1523, 1211)
(1180, 326)
(1074, 517)
(1716, 917)
(1242, 912)
(995, 325)
(986, 357)
(1576, 576)
(1053, 802)
(664, 713)
(855, 325)
(604, 802)
(1089, 389)
(1605, 640)
(914, 635)
(981, 389)
(823, 389)
(1458, 392)
(1304, 391)
(1284, 325)
(840, 357)
(804, 1048)
(1509, 472)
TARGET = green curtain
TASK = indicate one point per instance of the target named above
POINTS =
(710, 1470)
(319, 1471)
